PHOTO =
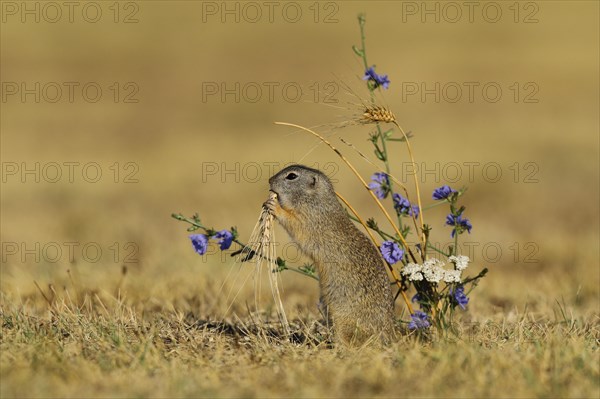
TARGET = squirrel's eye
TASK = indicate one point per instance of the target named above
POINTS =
(291, 176)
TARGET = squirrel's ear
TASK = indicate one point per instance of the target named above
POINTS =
(314, 182)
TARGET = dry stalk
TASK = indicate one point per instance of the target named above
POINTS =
(412, 160)
(376, 114)
(377, 201)
(379, 169)
(262, 246)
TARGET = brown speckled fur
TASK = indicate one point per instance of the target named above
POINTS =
(355, 288)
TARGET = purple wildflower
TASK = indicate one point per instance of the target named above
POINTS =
(459, 296)
(375, 79)
(225, 239)
(391, 252)
(443, 192)
(459, 224)
(380, 184)
(419, 320)
(200, 243)
(403, 206)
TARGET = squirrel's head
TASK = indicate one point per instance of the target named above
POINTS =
(298, 185)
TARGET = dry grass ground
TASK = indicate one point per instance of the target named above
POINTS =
(167, 327)
(100, 346)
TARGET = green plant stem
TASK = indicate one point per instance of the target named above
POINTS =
(182, 218)
(455, 249)
(439, 251)
(435, 204)
(382, 234)
(474, 279)
(300, 271)
(363, 50)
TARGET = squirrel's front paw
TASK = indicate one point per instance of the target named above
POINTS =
(271, 204)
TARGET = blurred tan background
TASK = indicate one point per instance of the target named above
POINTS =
(175, 143)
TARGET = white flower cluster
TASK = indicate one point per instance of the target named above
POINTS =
(460, 262)
(433, 270)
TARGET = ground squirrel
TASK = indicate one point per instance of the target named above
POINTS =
(355, 288)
